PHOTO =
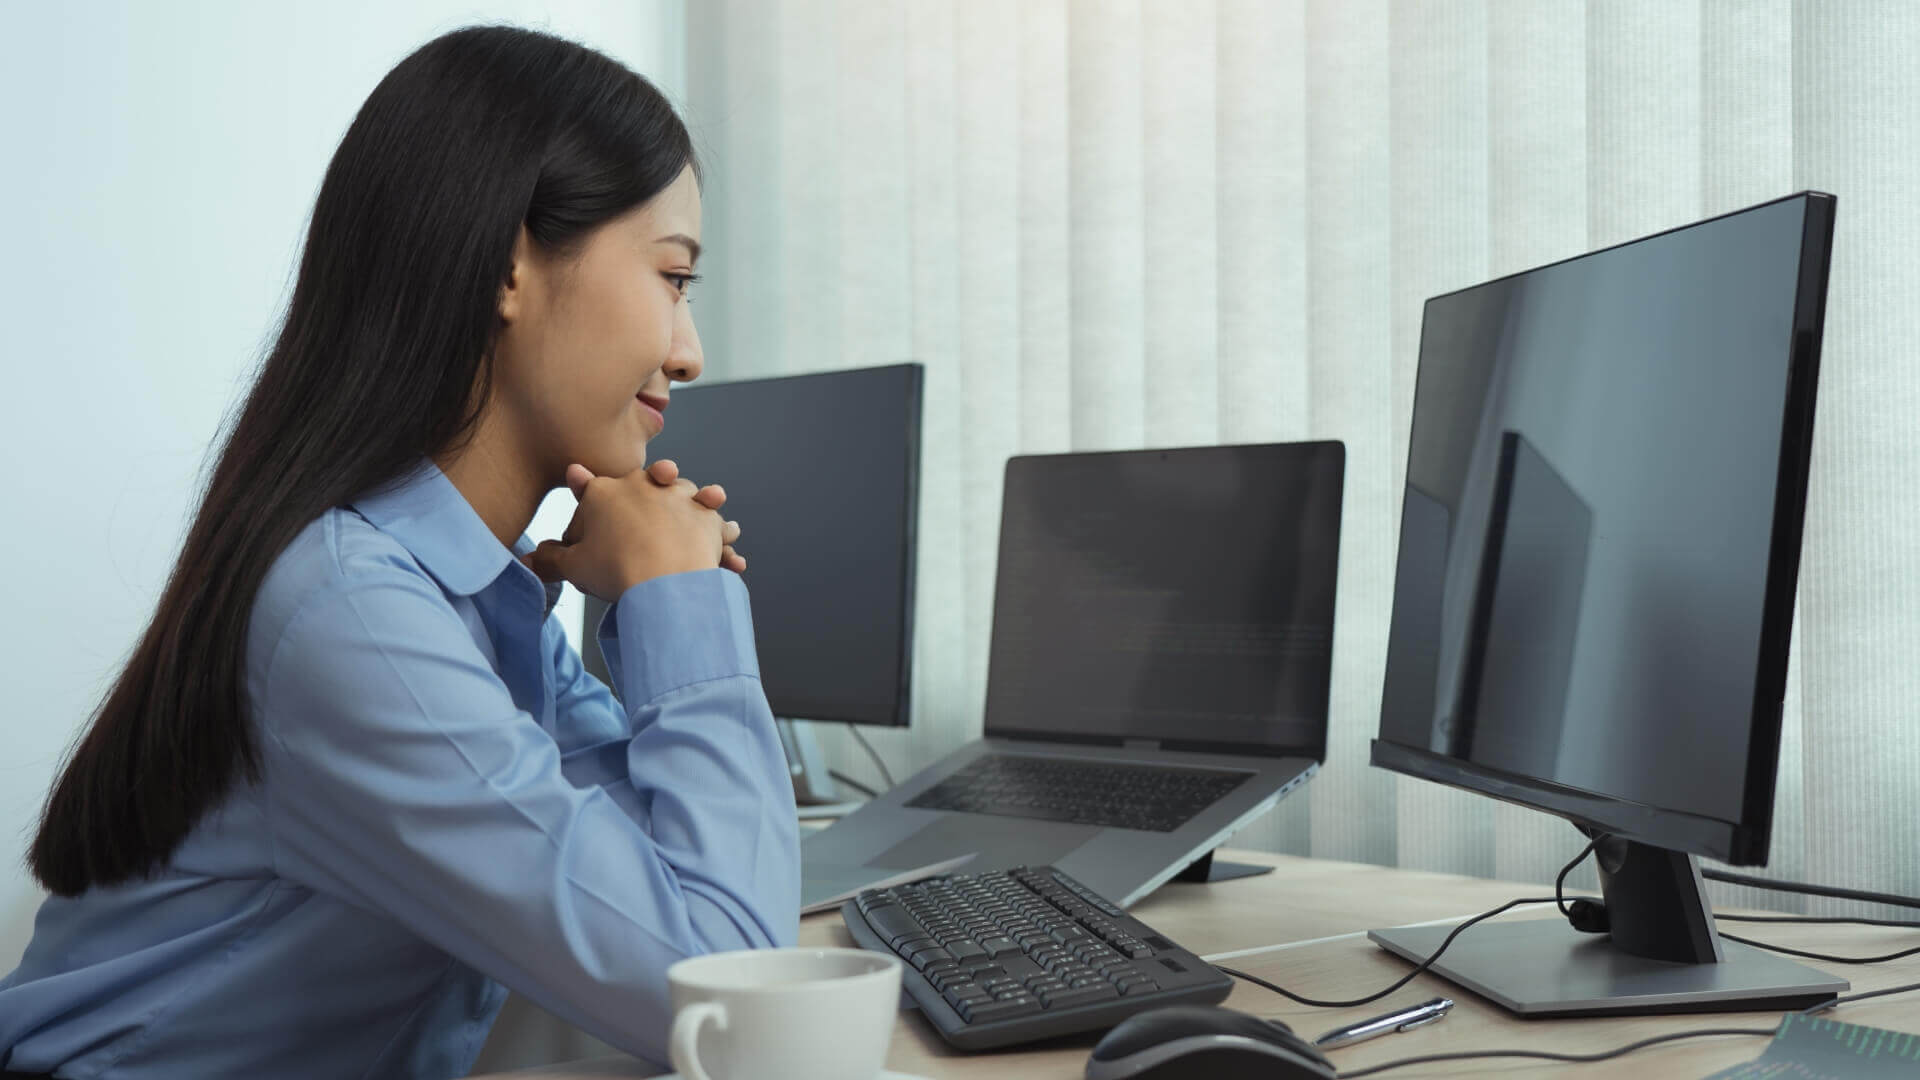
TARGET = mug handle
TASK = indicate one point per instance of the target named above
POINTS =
(686, 1031)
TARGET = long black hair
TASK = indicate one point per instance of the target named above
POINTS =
(384, 356)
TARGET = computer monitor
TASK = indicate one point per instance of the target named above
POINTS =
(1599, 544)
(822, 472)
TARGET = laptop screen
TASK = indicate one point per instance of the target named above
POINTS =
(1184, 596)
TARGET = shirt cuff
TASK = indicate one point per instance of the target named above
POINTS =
(674, 631)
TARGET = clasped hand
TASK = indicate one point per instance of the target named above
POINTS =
(628, 529)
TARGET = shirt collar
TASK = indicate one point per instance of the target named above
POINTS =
(431, 519)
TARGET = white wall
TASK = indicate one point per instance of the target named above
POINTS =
(159, 165)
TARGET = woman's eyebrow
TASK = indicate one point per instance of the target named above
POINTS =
(692, 245)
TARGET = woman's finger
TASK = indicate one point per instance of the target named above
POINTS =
(577, 477)
(730, 533)
(732, 560)
(547, 561)
(713, 496)
(664, 472)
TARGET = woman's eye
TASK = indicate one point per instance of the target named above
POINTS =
(682, 282)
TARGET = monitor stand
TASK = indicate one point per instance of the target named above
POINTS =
(815, 795)
(1661, 955)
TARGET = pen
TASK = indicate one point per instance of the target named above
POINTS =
(1412, 1016)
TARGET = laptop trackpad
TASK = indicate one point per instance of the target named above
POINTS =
(1002, 842)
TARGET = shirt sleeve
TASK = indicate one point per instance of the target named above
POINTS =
(585, 710)
(590, 726)
(402, 778)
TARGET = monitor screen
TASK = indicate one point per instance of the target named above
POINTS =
(822, 473)
(1183, 596)
(1600, 531)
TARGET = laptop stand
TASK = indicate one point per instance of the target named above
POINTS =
(1205, 869)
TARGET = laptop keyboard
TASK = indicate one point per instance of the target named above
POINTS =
(1154, 798)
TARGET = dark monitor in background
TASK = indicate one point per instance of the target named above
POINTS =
(822, 472)
(1598, 553)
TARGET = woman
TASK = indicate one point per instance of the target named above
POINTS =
(353, 784)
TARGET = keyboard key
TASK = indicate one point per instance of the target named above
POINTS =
(949, 977)
(906, 946)
(1003, 1009)
(965, 951)
(1078, 995)
(893, 923)
(959, 993)
(1020, 967)
(994, 946)
(927, 956)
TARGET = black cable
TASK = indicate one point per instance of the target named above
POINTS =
(1424, 964)
(1808, 890)
(1404, 980)
(1546, 1055)
(1784, 886)
(872, 753)
(1559, 900)
(852, 783)
(1903, 954)
(1560, 883)
(1821, 1006)
(1835, 920)
(1603, 1055)
(1815, 890)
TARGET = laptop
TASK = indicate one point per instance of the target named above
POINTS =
(1158, 675)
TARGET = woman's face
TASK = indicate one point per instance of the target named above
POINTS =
(591, 345)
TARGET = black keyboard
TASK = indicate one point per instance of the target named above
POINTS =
(1017, 955)
(1157, 798)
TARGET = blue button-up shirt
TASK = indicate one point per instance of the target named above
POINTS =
(449, 807)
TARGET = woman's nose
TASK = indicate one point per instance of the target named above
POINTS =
(684, 360)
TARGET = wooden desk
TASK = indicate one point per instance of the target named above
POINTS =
(1322, 909)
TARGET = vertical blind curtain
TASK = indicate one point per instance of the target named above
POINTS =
(1110, 224)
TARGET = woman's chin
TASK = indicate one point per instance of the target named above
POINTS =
(615, 458)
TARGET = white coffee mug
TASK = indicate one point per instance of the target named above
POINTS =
(797, 1014)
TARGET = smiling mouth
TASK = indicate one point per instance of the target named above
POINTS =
(657, 406)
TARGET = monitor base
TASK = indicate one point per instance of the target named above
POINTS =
(1545, 968)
